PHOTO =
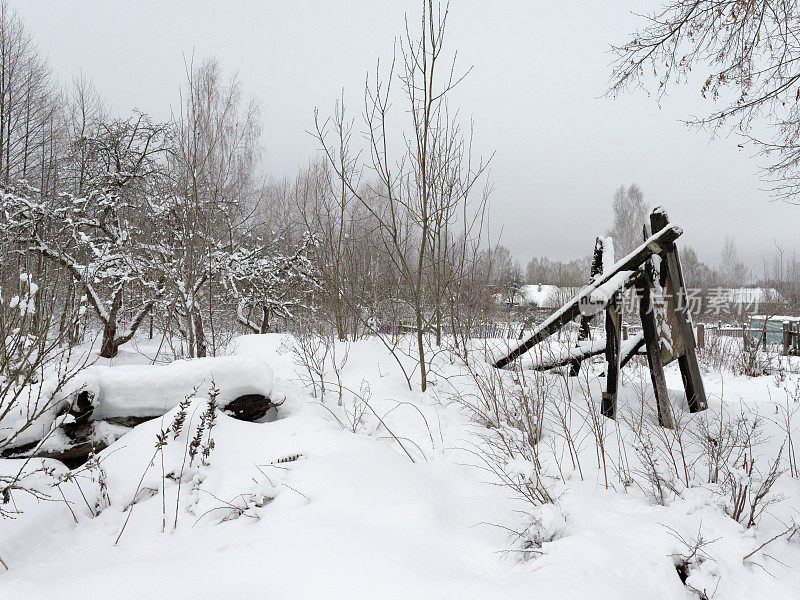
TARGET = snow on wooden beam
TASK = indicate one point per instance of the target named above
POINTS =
(551, 359)
(586, 349)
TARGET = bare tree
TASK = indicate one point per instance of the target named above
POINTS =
(512, 282)
(733, 273)
(29, 107)
(212, 155)
(419, 193)
(748, 54)
(572, 273)
(630, 215)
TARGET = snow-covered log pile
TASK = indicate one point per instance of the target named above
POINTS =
(101, 403)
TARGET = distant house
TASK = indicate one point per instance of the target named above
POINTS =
(540, 295)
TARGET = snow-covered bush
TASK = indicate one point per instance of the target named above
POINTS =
(545, 523)
(696, 569)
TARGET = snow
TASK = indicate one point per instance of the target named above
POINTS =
(608, 254)
(324, 503)
(775, 318)
(602, 294)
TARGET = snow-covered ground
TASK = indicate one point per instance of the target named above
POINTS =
(383, 492)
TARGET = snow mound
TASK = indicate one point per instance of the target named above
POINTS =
(140, 391)
(151, 391)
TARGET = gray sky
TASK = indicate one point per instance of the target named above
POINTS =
(540, 69)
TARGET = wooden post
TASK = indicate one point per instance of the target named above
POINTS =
(586, 320)
(653, 345)
(787, 338)
(613, 342)
(701, 336)
(682, 333)
(796, 338)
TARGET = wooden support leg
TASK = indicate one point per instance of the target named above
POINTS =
(787, 337)
(688, 383)
(653, 346)
(682, 332)
(586, 320)
(613, 339)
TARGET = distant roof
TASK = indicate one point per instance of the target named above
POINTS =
(546, 296)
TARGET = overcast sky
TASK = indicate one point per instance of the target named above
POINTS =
(535, 93)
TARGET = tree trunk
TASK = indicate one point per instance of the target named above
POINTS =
(108, 348)
(264, 320)
(199, 335)
(421, 349)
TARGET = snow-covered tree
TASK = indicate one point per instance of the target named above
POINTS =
(270, 284)
(101, 236)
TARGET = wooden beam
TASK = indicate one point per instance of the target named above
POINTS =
(587, 349)
(583, 350)
(630, 348)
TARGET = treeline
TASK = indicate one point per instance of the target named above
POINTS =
(112, 224)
